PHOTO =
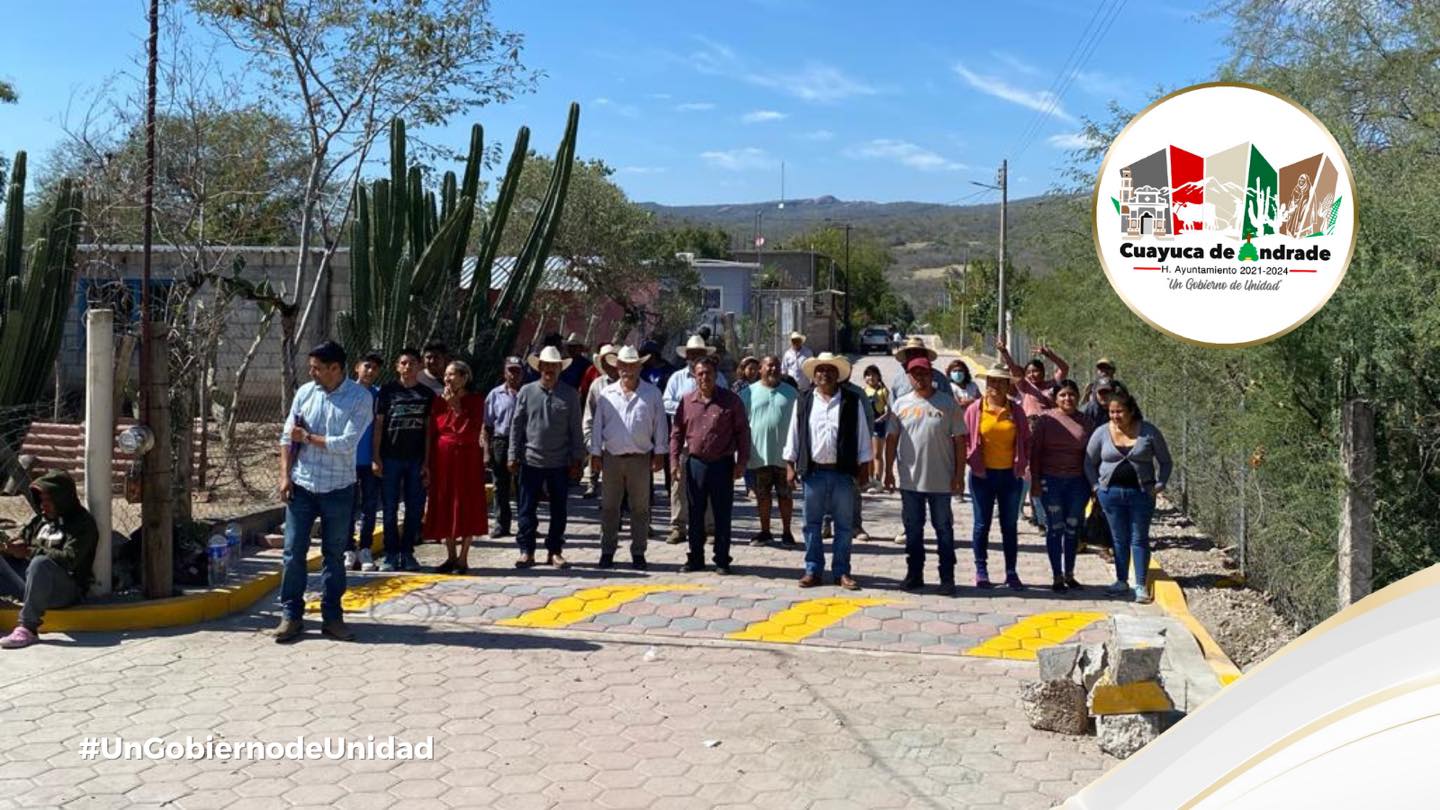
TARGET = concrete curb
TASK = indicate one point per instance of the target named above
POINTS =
(1171, 598)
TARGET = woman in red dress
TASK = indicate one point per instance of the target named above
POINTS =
(456, 509)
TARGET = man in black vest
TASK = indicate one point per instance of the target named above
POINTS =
(829, 451)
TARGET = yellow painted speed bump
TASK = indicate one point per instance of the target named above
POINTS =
(582, 605)
(1020, 640)
(802, 620)
(379, 590)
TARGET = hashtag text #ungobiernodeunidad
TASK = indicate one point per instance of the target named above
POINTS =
(191, 748)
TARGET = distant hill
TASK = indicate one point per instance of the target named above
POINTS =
(924, 237)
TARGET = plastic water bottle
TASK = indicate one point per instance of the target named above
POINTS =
(219, 571)
(232, 548)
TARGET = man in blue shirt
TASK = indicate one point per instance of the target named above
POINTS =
(499, 410)
(317, 480)
(367, 483)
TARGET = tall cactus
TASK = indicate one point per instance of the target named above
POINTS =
(408, 247)
(34, 296)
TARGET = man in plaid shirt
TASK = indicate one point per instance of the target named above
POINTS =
(317, 480)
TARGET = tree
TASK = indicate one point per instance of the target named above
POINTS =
(871, 298)
(614, 248)
(344, 71)
(7, 93)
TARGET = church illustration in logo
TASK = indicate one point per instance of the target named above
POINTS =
(1234, 192)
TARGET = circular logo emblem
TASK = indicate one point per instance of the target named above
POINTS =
(1225, 215)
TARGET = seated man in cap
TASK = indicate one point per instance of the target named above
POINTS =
(828, 451)
(49, 566)
(499, 409)
(791, 365)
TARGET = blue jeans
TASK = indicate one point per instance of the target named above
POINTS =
(40, 584)
(1003, 488)
(556, 482)
(367, 501)
(401, 477)
(333, 509)
(829, 492)
(1128, 512)
(709, 484)
(1064, 500)
(912, 513)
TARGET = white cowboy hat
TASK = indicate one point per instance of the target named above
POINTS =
(797, 336)
(999, 371)
(606, 351)
(627, 354)
(913, 344)
(695, 344)
(841, 365)
(549, 354)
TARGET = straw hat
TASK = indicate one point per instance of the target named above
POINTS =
(841, 365)
(912, 344)
(627, 354)
(606, 352)
(996, 372)
(695, 344)
(549, 354)
(797, 336)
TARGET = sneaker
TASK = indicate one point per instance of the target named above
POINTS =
(367, 560)
(861, 537)
(900, 539)
(409, 563)
(1117, 588)
(352, 561)
(787, 539)
(761, 539)
(1012, 581)
(390, 563)
(1142, 595)
(21, 636)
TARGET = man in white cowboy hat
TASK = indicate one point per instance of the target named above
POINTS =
(710, 439)
(605, 362)
(828, 450)
(680, 384)
(792, 365)
(628, 442)
(546, 449)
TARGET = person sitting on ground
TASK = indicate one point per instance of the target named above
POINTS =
(49, 566)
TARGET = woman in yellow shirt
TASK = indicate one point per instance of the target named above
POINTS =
(998, 451)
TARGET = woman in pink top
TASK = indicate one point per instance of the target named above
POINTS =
(1057, 467)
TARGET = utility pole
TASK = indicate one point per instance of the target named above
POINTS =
(1003, 180)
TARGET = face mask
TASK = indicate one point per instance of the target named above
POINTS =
(957, 376)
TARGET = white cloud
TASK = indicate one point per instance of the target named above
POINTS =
(641, 170)
(659, 96)
(1017, 64)
(1099, 84)
(819, 135)
(814, 81)
(627, 110)
(762, 116)
(694, 106)
(736, 160)
(904, 153)
(1039, 100)
(1070, 140)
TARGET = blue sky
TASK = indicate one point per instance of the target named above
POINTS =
(700, 102)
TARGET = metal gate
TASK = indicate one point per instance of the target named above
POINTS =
(774, 315)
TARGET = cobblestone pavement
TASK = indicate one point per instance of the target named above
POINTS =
(637, 695)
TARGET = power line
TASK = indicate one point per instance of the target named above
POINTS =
(1039, 116)
(1069, 79)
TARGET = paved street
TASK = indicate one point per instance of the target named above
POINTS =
(584, 688)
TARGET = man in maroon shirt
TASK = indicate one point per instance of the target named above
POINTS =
(710, 431)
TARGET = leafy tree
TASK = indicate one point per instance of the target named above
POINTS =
(705, 242)
(7, 93)
(343, 70)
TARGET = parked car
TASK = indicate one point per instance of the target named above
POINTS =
(875, 339)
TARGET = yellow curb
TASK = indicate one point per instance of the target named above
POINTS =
(1128, 698)
(152, 614)
(1021, 640)
(587, 603)
(379, 590)
(1171, 598)
(802, 620)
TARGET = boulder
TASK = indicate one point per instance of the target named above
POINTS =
(1135, 649)
(1057, 663)
(1057, 705)
(1121, 735)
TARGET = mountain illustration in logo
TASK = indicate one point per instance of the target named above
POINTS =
(1233, 192)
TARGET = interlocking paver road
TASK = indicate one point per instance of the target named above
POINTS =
(583, 689)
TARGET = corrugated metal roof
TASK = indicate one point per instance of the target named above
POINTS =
(557, 278)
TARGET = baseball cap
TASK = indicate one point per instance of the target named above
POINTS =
(514, 362)
(920, 361)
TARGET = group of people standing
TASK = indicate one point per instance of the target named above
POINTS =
(790, 426)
